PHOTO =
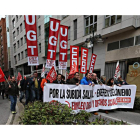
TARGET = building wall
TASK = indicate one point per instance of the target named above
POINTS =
(3, 46)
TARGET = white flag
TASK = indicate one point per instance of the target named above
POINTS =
(117, 72)
(43, 72)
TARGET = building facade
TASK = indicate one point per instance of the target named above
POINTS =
(120, 33)
(3, 47)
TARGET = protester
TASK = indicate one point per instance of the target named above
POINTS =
(94, 78)
(75, 80)
(103, 79)
(59, 80)
(86, 80)
(79, 79)
(120, 81)
(2, 89)
(63, 78)
(6, 93)
(35, 86)
(22, 89)
(110, 82)
(12, 89)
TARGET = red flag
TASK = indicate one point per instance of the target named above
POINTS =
(74, 56)
(19, 77)
(92, 63)
(52, 42)
(72, 71)
(52, 75)
(9, 78)
(63, 46)
(117, 71)
(2, 79)
(84, 58)
(31, 37)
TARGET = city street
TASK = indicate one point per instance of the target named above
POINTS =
(132, 118)
(4, 110)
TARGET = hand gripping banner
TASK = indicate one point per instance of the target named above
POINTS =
(63, 46)
(31, 37)
(52, 43)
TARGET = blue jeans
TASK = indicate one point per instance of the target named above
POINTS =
(21, 95)
(13, 102)
(27, 97)
(35, 94)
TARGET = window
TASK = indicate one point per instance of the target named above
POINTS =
(75, 29)
(39, 30)
(15, 48)
(112, 19)
(127, 42)
(39, 47)
(13, 23)
(90, 24)
(21, 27)
(25, 53)
(24, 24)
(21, 55)
(21, 41)
(18, 31)
(14, 36)
(24, 39)
(15, 58)
(16, 18)
(113, 46)
(18, 44)
(137, 40)
(69, 33)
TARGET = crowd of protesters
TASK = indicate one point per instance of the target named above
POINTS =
(31, 88)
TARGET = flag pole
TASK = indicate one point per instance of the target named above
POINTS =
(6, 80)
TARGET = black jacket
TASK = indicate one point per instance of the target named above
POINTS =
(32, 83)
(73, 81)
(95, 82)
(2, 86)
(56, 82)
(13, 90)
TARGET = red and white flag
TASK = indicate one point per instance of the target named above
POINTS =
(92, 63)
(84, 58)
(2, 79)
(19, 77)
(31, 37)
(43, 72)
(73, 70)
(52, 43)
(74, 56)
(63, 46)
(117, 71)
(52, 75)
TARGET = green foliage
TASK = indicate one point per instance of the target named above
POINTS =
(137, 103)
(55, 113)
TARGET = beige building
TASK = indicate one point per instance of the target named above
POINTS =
(121, 35)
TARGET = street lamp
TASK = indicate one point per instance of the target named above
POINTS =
(89, 43)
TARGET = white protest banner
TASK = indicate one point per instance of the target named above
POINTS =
(84, 97)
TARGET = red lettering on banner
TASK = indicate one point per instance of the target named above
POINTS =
(52, 44)
(92, 63)
(84, 57)
(123, 99)
(112, 102)
(31, 37)
(63, 45)
(74, 56)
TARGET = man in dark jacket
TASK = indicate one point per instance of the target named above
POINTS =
(94, 78)
(12, 89)
(22, 89)
(59, 80)
(2, 89)
(35, 86)
(120, 81)
(75, 80)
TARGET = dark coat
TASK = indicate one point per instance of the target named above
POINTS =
(56, 82)
(95, 82)
(73, 81)
(14, 91)
(2, 86)
(32, 83)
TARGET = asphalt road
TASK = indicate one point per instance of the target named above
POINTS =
(4, 110)
(132, 118)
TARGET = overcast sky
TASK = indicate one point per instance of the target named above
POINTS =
(2, 16)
